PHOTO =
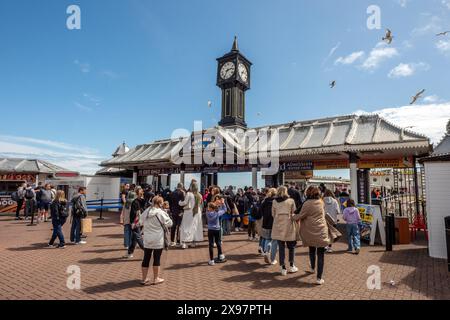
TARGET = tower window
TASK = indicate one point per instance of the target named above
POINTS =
(241, 105)
(227, 102)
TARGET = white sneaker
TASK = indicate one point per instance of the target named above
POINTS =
(128, 256)
(82, 242)
(173, 244)
(211, 263)
(320, 282)
(329, 250)
(283, 272)
(222, 257)
(293, 269)
(250, 238)
(274, 262)
(184, 246)
(214, 245)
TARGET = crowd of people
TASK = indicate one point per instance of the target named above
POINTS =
(44, 203)
(277, 218)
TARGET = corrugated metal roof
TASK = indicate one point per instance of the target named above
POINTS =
(16, 165)
(322, 136)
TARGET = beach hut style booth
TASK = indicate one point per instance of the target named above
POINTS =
(437, 174)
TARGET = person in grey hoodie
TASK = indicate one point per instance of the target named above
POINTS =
(332, 209)
(46, 200)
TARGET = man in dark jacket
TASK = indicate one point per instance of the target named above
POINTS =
(295, 195)
(79, 211)
(177, 212)
(137, 208)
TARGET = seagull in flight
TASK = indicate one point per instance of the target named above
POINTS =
(258, 114)
(209, 104)
(333, 84)
(443, 33)
(388, 37)
(417, 96)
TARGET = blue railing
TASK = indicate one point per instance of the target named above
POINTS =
(101, 204)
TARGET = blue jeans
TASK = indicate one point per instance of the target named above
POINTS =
(353, 237)
(127, 235)
(75, 230)
(57, 232)
(225, 226)
(271, 245)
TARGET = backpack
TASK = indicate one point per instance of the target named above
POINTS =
(62, 211)
(130, 198)
(29, 194)
(15, 196)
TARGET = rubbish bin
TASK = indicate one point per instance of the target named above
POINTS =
(447, 236)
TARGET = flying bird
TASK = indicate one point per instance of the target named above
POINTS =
(443, 33)
(209, 104)
(388, 37)
(417, 96)
(258, 114)
(333, 84)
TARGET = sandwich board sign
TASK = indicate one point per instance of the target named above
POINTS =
(372, 221)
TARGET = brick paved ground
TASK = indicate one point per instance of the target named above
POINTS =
(29, 270)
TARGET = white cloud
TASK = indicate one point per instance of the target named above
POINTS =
(403, 3)
(427, 119)
(443, 45)
(433, 26)
(84, 67)
(446, 3)
(407, 69)
(82, 107)
(379, 54)
(110, 74)
(431, 99)
(82, 159)
(350, 59)
(331, 53)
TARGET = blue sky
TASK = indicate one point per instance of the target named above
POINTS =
(139, 69)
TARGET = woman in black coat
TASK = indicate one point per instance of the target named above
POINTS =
(58, 210)
(270, 246)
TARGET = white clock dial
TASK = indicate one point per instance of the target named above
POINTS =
(243, 72)
(227, 70)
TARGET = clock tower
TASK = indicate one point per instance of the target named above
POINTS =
(233, 77)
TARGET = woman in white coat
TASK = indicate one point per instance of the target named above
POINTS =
(152, 221)
(191, 230)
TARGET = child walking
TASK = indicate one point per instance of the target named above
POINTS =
(215, 211)
(353, 219)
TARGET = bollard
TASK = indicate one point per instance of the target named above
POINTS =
(390, 232)
(101, 210)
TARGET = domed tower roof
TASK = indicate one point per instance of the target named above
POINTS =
(121, 150)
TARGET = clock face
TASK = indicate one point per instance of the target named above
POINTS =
(243, 72)
(227, 70)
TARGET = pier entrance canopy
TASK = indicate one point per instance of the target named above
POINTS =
(355, 142)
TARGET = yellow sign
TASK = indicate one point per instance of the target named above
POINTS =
(406, 162)
(331, 164)
(365, 213)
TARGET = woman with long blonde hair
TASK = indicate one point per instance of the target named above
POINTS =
(58, 210)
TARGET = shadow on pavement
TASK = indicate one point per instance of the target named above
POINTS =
(113, 287)
(34, 246)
